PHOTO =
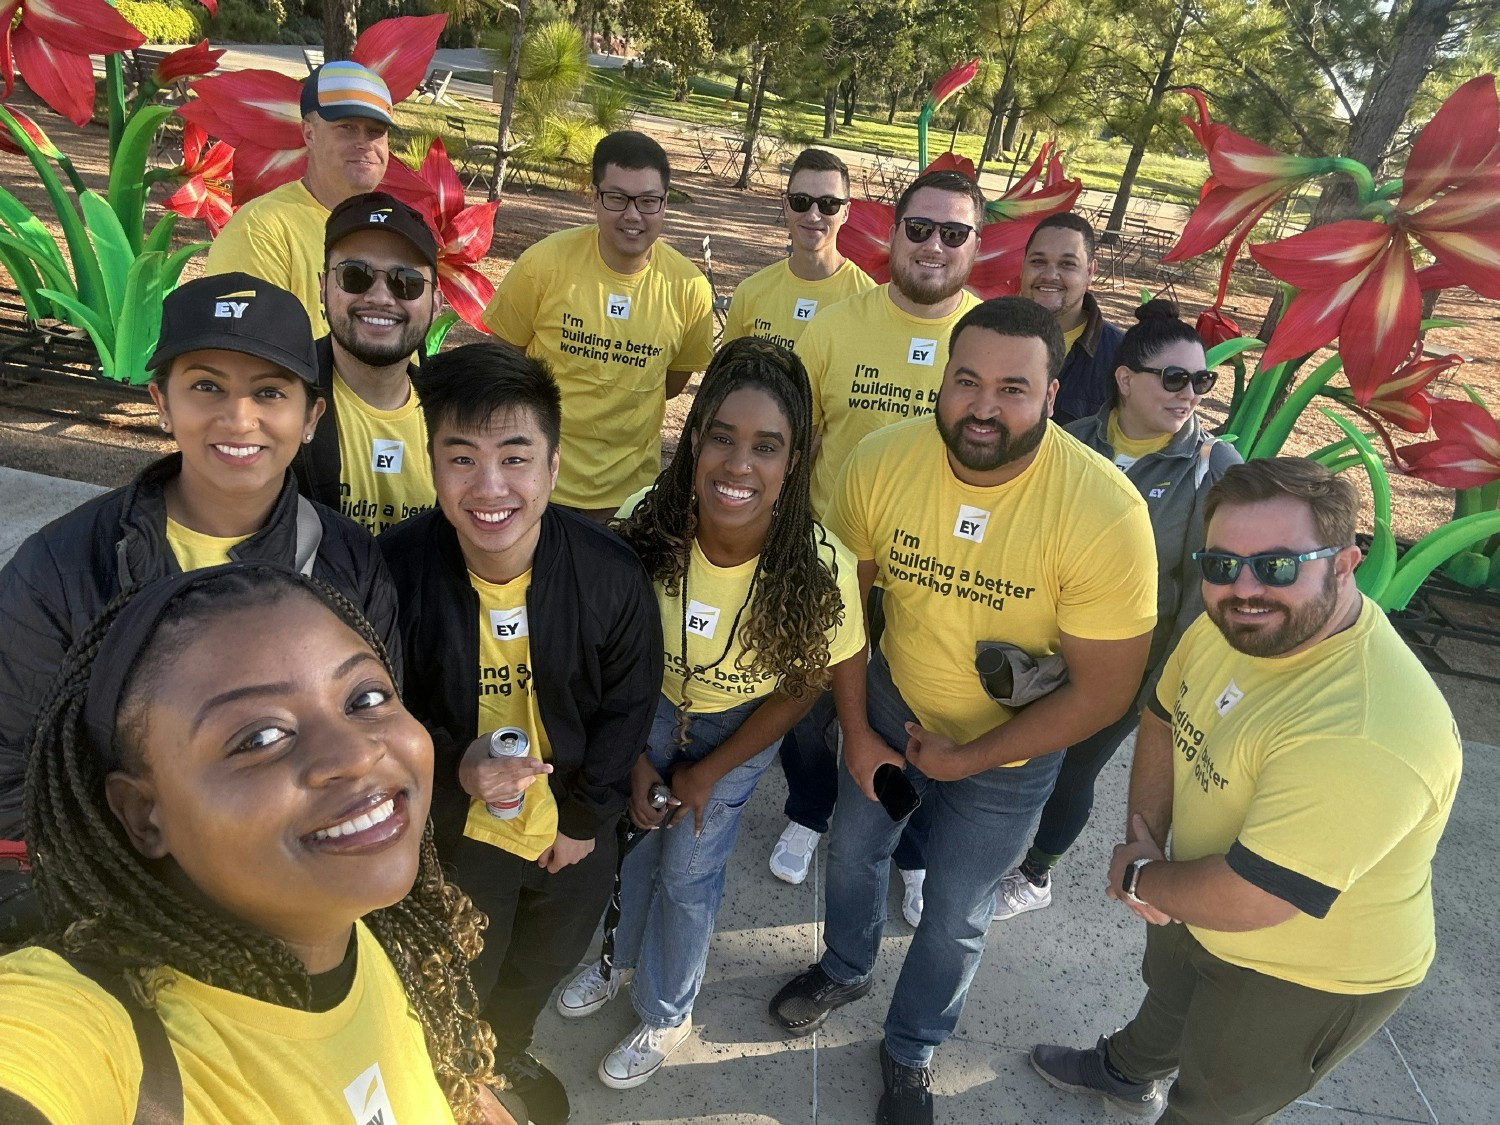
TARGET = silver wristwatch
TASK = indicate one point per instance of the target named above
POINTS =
(1131, 877)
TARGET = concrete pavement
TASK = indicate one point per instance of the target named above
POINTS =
(1065, 974)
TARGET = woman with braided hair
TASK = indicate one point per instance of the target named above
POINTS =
(760, 608)
(226, 809)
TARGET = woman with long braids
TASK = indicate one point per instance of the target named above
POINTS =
(760, 607)
(244, 919)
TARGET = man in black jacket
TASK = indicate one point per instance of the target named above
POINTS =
(368, 458)
(516, 615)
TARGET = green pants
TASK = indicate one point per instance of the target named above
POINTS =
(1245, 1045)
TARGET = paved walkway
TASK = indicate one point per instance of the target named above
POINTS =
(1064, 974)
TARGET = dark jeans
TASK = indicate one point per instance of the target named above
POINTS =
(1245, 1045)
(540, 927)
(1067, 810)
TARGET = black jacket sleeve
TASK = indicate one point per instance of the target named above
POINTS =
(630, 669)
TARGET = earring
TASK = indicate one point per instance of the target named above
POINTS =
(166, 429)
(307, 439)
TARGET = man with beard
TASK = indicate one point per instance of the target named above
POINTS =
(1305, 765)
(878, 357)
(368, 457)
(985, 524)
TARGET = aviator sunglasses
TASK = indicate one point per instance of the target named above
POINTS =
(800, 201)
(1175, 378)
(952, 235)
(1276, 568)
(404, 282)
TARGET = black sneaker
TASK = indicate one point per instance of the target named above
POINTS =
(908, 1095)
(541, 1090)
(805, 1001)
(1084, 1072)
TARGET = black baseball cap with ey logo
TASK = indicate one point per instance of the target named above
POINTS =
(236, 312)
(375, 210)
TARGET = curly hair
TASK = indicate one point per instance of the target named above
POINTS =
(102, 902)
(794, 595)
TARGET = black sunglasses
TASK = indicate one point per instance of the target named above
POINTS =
(800, 201)
(404, 282)
(648, 204)
(1220, 568)
(952, 235)
(1175, 378)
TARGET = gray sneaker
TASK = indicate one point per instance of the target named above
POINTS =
(1083, 1072)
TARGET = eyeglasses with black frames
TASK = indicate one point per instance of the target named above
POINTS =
(405, 282)
(800, 201)
(952, 235)
(1274, 569)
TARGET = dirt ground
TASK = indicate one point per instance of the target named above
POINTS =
(746, 235)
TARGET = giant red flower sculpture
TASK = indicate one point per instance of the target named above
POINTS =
(51, 46)
(463, 235)
(206, 170)
(1404, 400)
(259, 111)
(1466, 452)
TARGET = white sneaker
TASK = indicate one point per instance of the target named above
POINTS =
(911, 898)
(793, 853)
(641, 1053)
(589, 991)
(1018, 894)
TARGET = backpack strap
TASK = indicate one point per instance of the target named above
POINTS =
(309, 535)
(159, 1100)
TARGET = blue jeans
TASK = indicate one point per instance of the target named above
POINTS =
(989, 816)
(673, 881)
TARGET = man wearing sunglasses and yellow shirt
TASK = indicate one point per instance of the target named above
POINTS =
(778, 302)
(621, 319)
(1304, 763)
(368, 458)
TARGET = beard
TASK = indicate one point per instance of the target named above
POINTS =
(986, 458)
(346, 331)
(920, 288)
(1298, 624)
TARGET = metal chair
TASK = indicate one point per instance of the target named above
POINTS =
(435, 87)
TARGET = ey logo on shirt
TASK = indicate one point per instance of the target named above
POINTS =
(923, 352)
(227, 308)
(1160, 490)
(804, 309)
(386, 455)
(1228, 698)
(971, 523)
(509, 624)
(617, 307)
(702, 619)
(368, 1101)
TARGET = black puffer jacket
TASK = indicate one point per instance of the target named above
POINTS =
(596, 659)
(67, 572)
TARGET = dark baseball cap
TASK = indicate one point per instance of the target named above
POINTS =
(375, 210)
(237, 313)
(346, 89)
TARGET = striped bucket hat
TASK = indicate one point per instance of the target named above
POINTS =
(345, 89)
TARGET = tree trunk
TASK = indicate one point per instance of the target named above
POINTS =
(340, 28)
(985, 145)
(1148, 123)
(890, 117)
(830, 107)
(851, 88)
(752, 123)
(739, 86)
(1382, 111)
(508, 99)
(1012, 123)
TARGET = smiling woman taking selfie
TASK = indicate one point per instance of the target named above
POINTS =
(244, 919)
(1150, 430)
(759, 604)
(233, 378)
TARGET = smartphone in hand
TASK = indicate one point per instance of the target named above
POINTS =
(895, 792)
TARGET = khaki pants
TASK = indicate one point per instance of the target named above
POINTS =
(1245, 1045)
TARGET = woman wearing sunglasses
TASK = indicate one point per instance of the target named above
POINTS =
(1152, 432)
(234, 380)
(245, 919)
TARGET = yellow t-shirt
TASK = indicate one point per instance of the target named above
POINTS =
(610, 339)
(277, 236)
(1339, 763)
(70, 1050)
(195, 551)
(385, 474)
(507, 698)
(775, 304)
(715, 595)
(870, 365)
(1065, 547)
(1072, 336)
(1130, 450)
